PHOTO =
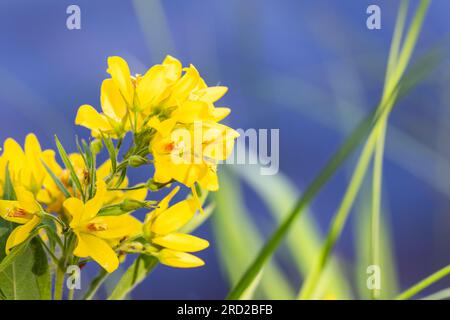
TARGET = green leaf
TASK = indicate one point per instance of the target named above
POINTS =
(111, 151)
(233, 228)
(57, 181)
(26, 274)
(69, 166)
(304, 240)
(8, 189)
(359, 134)
(134, 275)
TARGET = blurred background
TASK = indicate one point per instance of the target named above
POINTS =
(309, 68)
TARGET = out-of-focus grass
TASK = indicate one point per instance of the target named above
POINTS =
(238, 241)
(303, 241)
(389, 281)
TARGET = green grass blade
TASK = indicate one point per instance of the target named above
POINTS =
(303, 241)
(389, 281)
(134, 275)
(418, 72)
(233, 228)
(415, 289)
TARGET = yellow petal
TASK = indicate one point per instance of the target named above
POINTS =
(74, 207)
(173, 68)
(152, 87)
(26, 200)
(14, 156)
(93, 206)
(174, 217)
(181, 242)
(21, 233)
(211, 94)
(220, 113)
(179, 259)
(183, 87)
(210, 181)
(6, 207)
(98, 249)
(139, 194)
(112, 101)
(191, 111)
(88, 117)
(120, 73)
(33, 156)
(111, 227)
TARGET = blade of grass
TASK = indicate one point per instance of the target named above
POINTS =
(363, 162)
(389, 282)
(440, 295)
(303, 241)
(415, 289)
(233, 228)
(360, 133)
(379, 149)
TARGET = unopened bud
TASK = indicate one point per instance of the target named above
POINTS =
(130, 205)
(137, 161)
(96, 146)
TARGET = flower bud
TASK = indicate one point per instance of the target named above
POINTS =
(96, 146)
(137, 161)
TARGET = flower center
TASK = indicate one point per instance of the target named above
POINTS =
(19, 213)
(97, 227)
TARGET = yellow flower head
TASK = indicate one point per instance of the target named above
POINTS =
(190, 153)
(25, 211)
(24, 165)
(161, 229)
(96, 233)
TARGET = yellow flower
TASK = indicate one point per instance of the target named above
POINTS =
(113, 120)
(161, 229)
(190, 153)
(24, 165)
(124, 95)
(95, 233)
(25, 211)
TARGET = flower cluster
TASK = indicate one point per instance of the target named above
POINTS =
(175, 129)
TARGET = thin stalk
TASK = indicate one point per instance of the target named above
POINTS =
(340, 218)
(96, 284)
(428, 281)
(396, 67)
(343, 212)
(379, 150)
(440, 295)
(59, 284)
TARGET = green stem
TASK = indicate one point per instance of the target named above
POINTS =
(95, 284)
(415, 289)
(339, 220)
(59, 284)
(378, 131)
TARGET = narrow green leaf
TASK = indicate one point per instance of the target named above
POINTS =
(111, 151)
(134, 275)
(8, 189)
(233, 228)
(69, 166)
(57, 181)
(359, 134)
(303, 240)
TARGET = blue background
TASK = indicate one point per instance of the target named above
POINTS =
(292, 65)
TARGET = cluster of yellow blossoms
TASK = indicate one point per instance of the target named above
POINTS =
(174, 124)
